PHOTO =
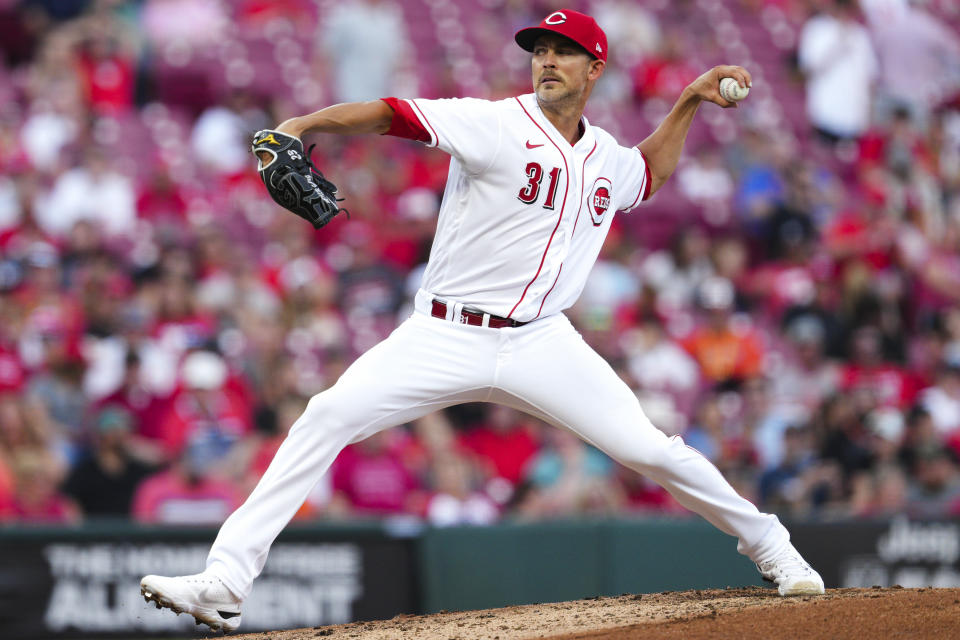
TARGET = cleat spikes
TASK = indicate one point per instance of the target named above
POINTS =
(221, 613)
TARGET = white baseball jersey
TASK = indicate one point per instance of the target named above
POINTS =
(524, 213)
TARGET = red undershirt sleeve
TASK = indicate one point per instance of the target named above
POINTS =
(646, 180)
(405, 123)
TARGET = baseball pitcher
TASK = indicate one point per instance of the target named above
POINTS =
(531, 192)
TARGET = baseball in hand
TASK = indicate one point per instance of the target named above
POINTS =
(732, 91)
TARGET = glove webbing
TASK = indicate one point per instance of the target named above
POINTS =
(322, 181)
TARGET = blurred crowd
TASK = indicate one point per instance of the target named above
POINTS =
(790, 305)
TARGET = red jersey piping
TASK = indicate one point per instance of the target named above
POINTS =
(559, 218)
(645, 190)
(436, 139)
(583, 170)
(540, 310)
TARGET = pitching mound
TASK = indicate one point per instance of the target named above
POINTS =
(718, 613)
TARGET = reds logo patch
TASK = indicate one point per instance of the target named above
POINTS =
(599, 201)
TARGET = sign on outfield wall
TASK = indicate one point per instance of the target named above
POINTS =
(896, 552)
(84, 587)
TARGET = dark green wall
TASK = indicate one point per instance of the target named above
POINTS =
(476, 568)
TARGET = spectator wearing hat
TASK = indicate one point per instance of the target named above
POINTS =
(104, 481)
(146, 410)
(207, 404)
(881, 490)
(885, 429)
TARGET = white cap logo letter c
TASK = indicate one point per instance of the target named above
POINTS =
(556, 17)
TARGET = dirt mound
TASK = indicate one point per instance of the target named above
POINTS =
(715, 613)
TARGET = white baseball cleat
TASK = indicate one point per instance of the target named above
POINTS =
(203, 596)
(792, 574)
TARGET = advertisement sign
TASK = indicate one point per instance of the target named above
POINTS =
(87, 587)
(895, 552)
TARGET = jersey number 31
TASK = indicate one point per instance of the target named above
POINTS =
(531, 190)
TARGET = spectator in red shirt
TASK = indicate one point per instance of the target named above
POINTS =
(666, 73)
(888, 385)
(147, 410)
(6, 488)
(502, 445)
(179, 323)
(370, 479)
(161, 200)
(107, 73)
(644, 495)
(205, 405)
(865, 233)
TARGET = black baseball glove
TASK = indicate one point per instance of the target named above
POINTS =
(292, 180)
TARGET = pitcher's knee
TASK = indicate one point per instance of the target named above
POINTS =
(656, 452)
(324, 413)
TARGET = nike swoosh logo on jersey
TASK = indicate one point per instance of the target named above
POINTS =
(533, 146)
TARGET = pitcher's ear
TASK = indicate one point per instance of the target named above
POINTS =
(596, 68)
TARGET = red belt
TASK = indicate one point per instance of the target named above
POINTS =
(474, 318)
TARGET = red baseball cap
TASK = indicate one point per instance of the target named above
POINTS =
(577, 26)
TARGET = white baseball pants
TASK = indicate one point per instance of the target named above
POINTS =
(543, 368)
